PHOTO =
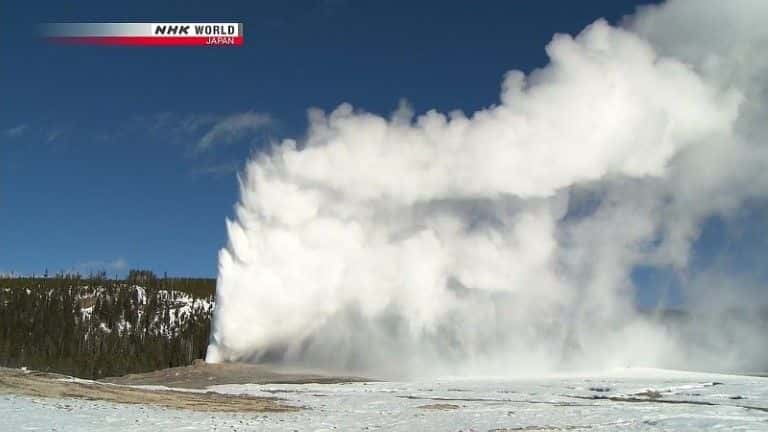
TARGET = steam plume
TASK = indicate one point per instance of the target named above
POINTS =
(503, 241)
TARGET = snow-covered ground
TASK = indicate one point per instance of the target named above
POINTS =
(722, 402)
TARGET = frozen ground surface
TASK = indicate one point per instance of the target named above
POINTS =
(721, 402)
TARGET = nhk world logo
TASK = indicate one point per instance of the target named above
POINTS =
(148, 34)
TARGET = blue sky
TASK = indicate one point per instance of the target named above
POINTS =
(101, 163)
(126, 157)
(115, 158)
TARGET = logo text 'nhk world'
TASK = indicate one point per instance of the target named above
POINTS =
(198, 29)
(157, 34)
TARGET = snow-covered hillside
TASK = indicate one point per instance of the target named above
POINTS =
(168, 313)
(98, 328)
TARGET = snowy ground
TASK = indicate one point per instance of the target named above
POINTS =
(724, 402)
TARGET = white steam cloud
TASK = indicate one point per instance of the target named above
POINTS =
(503, 242)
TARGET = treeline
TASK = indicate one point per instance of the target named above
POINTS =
(197, 287)
(94, 327)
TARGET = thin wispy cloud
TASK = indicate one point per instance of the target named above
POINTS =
(53, 136)
(175, 125)
(193, 133)
(199, 132)
(195, 123)
(233, 128)
(36, 132)
(16, 131)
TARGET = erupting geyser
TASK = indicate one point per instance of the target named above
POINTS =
(503, 241)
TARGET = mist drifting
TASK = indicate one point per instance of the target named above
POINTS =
(502, 242)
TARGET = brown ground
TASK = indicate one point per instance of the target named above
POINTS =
(202, 375)
(118, 390)
(38, 384)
